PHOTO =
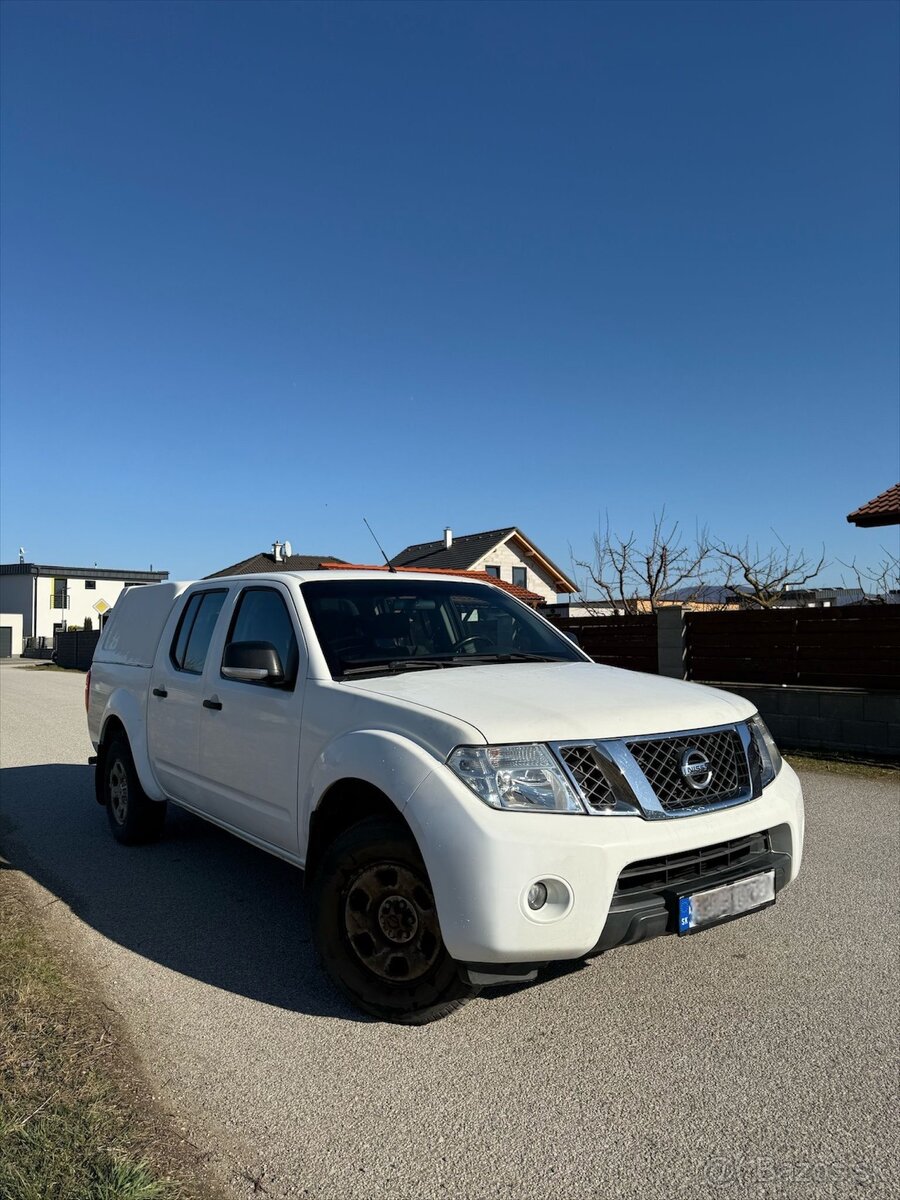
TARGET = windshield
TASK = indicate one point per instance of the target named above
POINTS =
(402, 624)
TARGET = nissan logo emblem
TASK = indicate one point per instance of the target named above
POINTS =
(695, 769)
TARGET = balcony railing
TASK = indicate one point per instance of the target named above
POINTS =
(59, 600)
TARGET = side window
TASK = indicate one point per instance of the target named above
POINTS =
(195, 630)
(262, 616)
(185, 625)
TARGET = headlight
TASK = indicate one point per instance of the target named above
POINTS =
(521, 778)
(769, 756)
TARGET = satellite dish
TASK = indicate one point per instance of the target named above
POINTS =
(287, 550)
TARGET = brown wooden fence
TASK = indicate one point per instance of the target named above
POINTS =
(854, 647)
(628, 642)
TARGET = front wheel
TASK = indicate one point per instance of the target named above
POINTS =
(375, 926)
(133, 816)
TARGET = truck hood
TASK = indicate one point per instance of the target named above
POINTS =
(543, 702)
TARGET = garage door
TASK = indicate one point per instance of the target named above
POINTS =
(5, 641)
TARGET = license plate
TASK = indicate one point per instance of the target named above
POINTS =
(721, 903)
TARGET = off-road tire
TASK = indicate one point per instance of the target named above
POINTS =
(133, 817)
(370, 880)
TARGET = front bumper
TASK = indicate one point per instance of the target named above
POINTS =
(482, 862)
(651, 912)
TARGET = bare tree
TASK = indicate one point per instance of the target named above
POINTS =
(877, 583)
(636, 579)
(759, 578)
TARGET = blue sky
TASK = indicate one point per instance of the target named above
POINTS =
(271, 268)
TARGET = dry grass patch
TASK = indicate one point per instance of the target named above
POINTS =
(76, 1118)
(868, 769)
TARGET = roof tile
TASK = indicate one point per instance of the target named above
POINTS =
(530, 598)
(259, 564)
(884, 509)
(464, 551)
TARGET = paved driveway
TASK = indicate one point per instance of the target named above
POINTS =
(759, 1059)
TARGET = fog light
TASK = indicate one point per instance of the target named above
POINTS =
(537, 896)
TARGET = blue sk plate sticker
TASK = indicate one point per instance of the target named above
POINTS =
(722, 903)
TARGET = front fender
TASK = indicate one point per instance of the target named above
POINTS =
(392, 763)
(123, 705)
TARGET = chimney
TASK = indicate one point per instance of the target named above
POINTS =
(276, 551)
(448, 538)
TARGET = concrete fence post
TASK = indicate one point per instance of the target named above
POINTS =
(670, 642)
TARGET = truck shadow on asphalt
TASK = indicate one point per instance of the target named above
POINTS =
(199, 901)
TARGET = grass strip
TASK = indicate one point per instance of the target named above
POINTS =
(865, 769)
(76, 1117)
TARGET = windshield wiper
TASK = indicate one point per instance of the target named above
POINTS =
(391, 666)
(394, 666)
(504, 657)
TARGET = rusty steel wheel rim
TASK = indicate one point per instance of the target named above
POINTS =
(391, 922)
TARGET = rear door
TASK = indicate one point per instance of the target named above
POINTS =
(177, 693)
(250, 742)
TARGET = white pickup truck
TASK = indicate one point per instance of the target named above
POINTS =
(471, 798)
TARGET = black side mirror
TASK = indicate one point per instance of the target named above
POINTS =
(252, 662)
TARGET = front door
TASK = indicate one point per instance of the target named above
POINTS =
(250, 740)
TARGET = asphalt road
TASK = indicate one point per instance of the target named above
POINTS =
(758, 1059)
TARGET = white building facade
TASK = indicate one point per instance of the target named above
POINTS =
(50, 599)
(506, 554)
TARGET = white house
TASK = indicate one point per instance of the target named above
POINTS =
(506, 554)
(49, 599)
(11, 640)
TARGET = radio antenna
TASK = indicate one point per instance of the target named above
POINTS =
(390, 565)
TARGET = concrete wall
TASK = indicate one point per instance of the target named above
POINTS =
(838, 721)
(46, 616)
(14, 620)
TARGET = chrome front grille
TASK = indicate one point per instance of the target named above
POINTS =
(652, 776)
(584, 763)
(660, 760)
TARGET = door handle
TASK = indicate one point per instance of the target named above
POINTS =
(216, 704)
(161, 692)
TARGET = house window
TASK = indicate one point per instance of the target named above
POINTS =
(60, 597)
(520, 576)
(495, 571)
(90, 585)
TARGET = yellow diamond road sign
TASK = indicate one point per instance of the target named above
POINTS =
(101, 606)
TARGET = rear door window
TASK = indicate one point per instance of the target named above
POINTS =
(195, 631)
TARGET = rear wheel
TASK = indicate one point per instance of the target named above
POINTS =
(376, 928)
(133, 816)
